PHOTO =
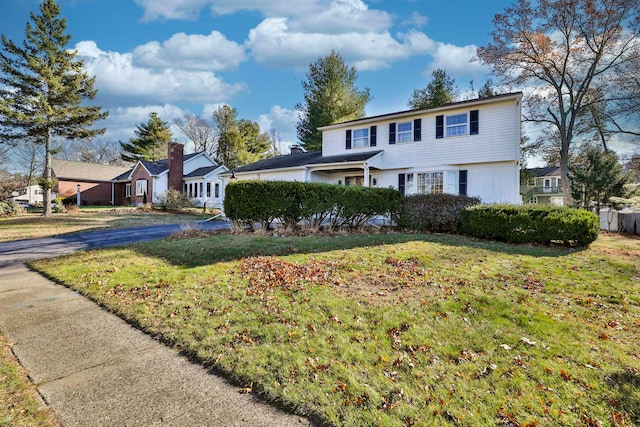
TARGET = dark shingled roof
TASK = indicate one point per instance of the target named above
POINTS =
(546, 171)
(154, 168)
(303, 159)
(201, 171)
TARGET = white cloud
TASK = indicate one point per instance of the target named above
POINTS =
(283, 121)
(213, 52)
(273, 43)
(455, 60)
(120, 81)
(416, 20)
(171, 9)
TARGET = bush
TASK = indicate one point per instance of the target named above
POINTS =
(311, 204)
(10, 207)
(433, 213)
(531, 224)
(173, 199)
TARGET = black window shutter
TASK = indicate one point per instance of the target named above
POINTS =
(373, 137)
(440, 126)
(392, 133)
(348, 143)
(401, 181)
(474, 123)
(417, 129)
(462, 183)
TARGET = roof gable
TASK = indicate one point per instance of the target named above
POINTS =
(83, 171)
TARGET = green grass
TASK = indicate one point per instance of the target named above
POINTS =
(392, 329)
(18, 397)
(34, 225)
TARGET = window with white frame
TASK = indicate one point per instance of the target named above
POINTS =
(456, 125)
(127, 190)
(217, 190)
(141, 187)
(430, 183)
(208, 190)
(361, 137)
(404, 132)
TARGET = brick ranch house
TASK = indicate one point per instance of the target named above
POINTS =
(195, 174)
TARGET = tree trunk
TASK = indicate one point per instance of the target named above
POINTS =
(567, 200)
(46, 194)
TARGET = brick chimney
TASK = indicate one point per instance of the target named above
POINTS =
(175, 163)
(296, 149)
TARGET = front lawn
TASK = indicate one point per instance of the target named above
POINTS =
(396, 329)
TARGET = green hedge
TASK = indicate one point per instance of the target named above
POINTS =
(295, 203)
(433, 213)
(10, 207)
(531, 224)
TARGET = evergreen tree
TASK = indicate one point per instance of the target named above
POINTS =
(330, 96)
(598, 178)
(440, 91)
(487, 90)
(42, 89)
(150, 143)
(239, 141)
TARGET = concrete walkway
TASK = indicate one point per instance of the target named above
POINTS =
(93, 369)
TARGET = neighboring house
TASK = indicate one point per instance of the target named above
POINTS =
(195, 174)
(92, 179)
(469, 148)
(30, 196)
(542, 185)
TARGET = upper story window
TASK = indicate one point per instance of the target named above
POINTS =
(361, 138)
(458, 124)
(405, 132)
(365, 137)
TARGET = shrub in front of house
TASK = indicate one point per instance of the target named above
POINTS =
(530, 224)
(433, 213)
(173, 199)
(10, 207)
(310, 204)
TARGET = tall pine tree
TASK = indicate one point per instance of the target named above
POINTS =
(42, 89)
(330, 96)
(150, 143)
(440, 91)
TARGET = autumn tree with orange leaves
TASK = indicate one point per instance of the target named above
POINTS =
(580, 61)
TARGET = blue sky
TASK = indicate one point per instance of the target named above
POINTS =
(174, 56)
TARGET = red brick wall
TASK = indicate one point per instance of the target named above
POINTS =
(91, 193)
(141, 173)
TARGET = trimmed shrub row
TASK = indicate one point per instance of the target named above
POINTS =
(311, 204)
(10, 207)
(433, 213)
(531, 224)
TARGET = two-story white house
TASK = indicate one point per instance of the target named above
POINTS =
(468, 148)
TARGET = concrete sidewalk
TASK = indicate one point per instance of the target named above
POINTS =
(93, 369)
